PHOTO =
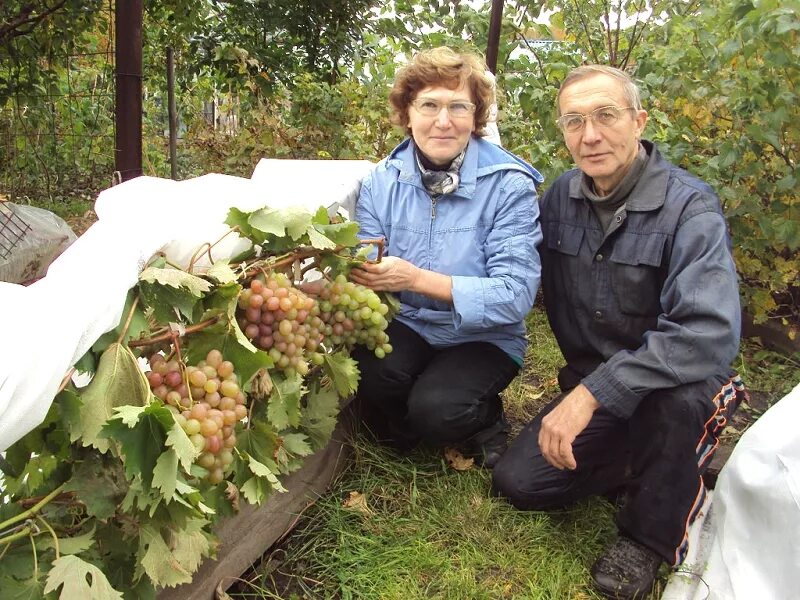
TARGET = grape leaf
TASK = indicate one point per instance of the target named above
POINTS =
(172, 562)
(343, 372)
(319, 240)
(141, 434)
(239, 219)
(221, 272)
(258, 441)
(319, 417)
(165, 475)
(180, 442)
(71, 545)
(168, 303)
(293, 221)
(283, 408)
(72, 572)
(257, 488)
(99, 483)
(29, 588)
(296, 444)
(343, 234)
(119, 381)
(176, 278)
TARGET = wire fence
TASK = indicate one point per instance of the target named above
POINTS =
(60, 137)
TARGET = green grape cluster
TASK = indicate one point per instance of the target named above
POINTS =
(206, 402)
(282, 320)
(354, 314)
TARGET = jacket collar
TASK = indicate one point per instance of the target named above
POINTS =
(649, 193)
(482, 158)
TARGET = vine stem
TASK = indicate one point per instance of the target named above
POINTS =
(32, 510)
(128, 320)
(52, 533)
(207, 250)
(168, 336)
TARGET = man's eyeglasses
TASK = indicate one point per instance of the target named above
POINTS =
(605, 116)
(429, 107)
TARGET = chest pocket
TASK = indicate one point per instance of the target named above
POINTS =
(564, 242)
(636, 274)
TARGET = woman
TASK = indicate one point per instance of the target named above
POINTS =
(460, 219)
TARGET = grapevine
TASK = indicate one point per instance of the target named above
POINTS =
(220, 376)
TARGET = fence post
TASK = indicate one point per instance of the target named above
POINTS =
(173, 113)
(128, 52)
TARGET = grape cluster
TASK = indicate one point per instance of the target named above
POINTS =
(354, 314)
(282, 320)
(207, 403)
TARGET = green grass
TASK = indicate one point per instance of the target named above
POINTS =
(432, 532)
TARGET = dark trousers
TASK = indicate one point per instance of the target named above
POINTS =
(438, 396)
(654, 460)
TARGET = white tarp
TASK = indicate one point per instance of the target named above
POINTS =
(47, 326)
(747, 547)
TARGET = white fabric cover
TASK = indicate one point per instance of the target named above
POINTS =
(47, 326)
(750, 548)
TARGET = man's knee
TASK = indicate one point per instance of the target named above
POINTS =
(439, 416)
(527, 487)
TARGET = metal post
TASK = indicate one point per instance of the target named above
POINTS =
(173, 113)
(493, 42)
(128, 55)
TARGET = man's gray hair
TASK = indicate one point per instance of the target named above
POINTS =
(629, 88)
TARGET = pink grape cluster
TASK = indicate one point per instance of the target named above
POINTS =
(354, 314)
(206, 402)
(282, 320)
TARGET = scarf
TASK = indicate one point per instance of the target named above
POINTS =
(441, 181)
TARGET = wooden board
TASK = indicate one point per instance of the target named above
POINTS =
(246, 536)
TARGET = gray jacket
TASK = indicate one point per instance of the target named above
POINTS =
(651, 304)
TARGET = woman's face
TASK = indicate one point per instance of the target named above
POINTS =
(441, 136)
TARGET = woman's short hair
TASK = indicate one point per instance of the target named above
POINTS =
(629, 88)
(442, 67)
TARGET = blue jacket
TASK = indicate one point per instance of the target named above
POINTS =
(653, 303)
(484, 235)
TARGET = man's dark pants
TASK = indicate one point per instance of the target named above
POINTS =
(655, 460)
(438, 396)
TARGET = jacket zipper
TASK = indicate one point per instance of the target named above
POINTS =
(430, 233)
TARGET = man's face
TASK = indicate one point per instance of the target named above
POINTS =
(603, 152)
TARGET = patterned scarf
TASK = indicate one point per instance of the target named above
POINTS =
(444, 181)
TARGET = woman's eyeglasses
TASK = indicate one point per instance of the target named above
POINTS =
(457, 109)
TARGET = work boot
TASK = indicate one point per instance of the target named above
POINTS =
(627, 570)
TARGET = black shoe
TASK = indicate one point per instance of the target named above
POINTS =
(487, 446)
(627, 570)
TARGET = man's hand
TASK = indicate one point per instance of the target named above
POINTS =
(562, 425)
(392, 274)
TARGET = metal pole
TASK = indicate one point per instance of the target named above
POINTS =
(494, 35)
(128, 55)
(173, 114)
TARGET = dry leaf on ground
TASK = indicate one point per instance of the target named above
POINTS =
(358, 502)
(457, 460)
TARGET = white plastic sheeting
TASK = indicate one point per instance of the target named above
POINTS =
(747, 547)
(47, 326)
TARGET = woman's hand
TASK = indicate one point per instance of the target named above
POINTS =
(392, 274)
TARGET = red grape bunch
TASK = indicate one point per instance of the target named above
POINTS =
(206, 402)
(354, 314)
(282, 320)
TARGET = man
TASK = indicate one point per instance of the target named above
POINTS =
(641, 293)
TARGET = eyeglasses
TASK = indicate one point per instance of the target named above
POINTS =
(430, 108)
(604, 116)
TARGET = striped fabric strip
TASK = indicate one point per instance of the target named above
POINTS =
(726, 401)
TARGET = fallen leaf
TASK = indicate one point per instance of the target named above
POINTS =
(457, 461)
(358, 502)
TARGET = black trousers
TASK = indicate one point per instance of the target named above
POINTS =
(438, 396)
(655, 460)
